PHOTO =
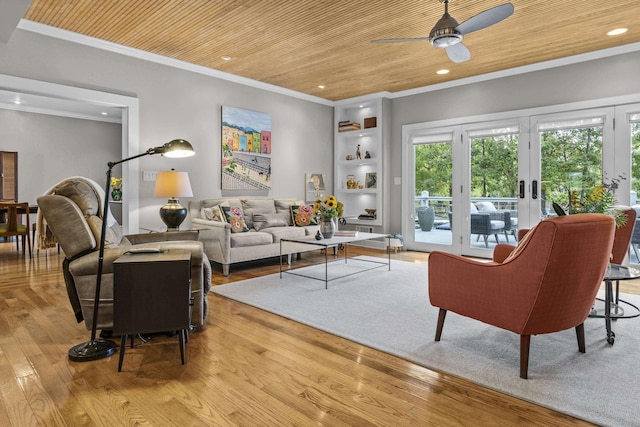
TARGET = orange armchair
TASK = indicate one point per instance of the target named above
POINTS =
(546, 284)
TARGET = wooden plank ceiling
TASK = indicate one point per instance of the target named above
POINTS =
(305, 43)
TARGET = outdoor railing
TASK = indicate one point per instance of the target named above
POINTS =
(442, 204)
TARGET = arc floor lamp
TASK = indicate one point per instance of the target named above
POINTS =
(98, 348)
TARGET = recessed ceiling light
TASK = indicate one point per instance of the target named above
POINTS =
(104, 113)
(226, 58)
(443, 71)
(321, 86)
(17, 101)
(361, 106)
(617, 31)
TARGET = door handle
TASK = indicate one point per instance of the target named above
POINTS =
(521, 193)
(534, 189)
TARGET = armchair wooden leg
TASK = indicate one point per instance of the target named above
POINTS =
(525, 341)
(580, 336)
(441, 315)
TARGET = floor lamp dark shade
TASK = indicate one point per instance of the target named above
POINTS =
(98, 348)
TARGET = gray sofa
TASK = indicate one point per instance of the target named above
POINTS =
(267, 221)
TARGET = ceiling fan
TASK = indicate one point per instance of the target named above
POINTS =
(447, 33)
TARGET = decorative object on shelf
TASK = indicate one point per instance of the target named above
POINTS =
(599, 200)
(173, 184)
(367, 155)
(349, 156)
(369, 215)
(116, 189)
(358, 155)
(98, 348)
(348, 125)
(371, 180)
(315, 186)
(246, 149)
(351, 182)
(370, 122)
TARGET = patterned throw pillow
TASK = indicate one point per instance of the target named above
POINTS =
(233, 216)
(212, 214)
(303, 215)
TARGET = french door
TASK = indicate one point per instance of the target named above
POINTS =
(460, 174)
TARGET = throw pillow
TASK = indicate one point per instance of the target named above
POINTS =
(233, 216)
(265, 220)
(303, 215)
(212, 214)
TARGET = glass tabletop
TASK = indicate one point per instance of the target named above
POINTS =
(620, 272)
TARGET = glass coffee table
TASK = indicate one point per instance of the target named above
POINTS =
(307, 243)
(613, 308)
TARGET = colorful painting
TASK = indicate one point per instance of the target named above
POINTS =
(315, 187)
(246, 149)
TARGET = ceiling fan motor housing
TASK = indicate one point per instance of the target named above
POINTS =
(444, 33)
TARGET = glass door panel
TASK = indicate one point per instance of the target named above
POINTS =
(572, 161)
(433, 173)
(493, 187)
(634, 128)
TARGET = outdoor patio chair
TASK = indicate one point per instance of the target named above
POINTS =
(490, 223)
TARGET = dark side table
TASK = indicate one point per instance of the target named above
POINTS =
(152, 293)
(613, 306)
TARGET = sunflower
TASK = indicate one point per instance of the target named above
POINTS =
(328, 208)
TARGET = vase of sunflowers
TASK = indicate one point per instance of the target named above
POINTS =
(116, 189)
(327, 211)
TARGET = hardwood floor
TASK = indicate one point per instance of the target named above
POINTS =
(246, 367)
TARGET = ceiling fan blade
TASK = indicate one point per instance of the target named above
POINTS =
(486, 18)
(417, 39)
(458, 53)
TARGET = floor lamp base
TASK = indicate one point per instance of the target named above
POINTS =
(92, 350)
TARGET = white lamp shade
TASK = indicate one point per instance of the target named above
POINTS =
(172, 184)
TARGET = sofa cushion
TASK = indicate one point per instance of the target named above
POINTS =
(252, 238)
(303, 215)
(285, 232)
(233, 216)
(251, 206)
(267, 220)
(486, 207)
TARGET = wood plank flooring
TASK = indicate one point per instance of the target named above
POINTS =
(246, 367)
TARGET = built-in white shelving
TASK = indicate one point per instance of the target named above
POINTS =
(366, 169)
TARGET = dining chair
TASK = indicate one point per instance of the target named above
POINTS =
(14, 225)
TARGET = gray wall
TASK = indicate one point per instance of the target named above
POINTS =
(48, 148)
(597, 79)
(175, 103)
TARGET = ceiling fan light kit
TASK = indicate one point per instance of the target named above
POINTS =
(448, 34)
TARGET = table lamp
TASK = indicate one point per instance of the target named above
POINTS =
(98, 348)
(173, 184)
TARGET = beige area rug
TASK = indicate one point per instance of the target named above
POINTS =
(390, 311)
